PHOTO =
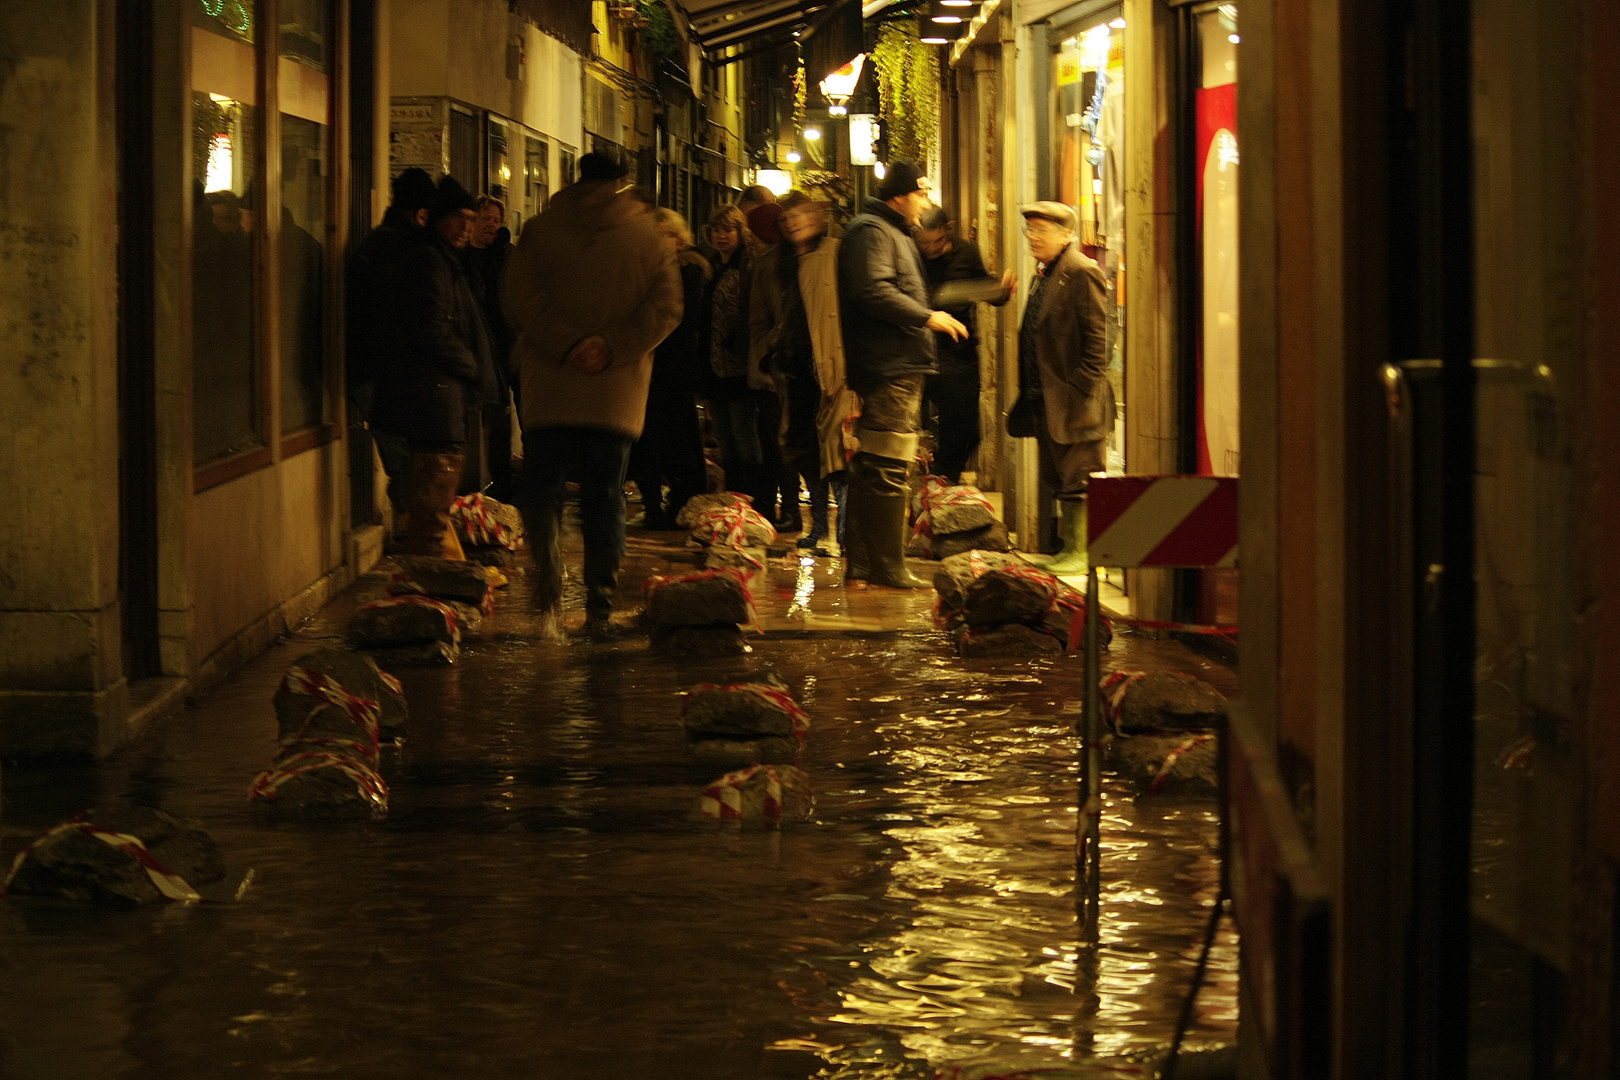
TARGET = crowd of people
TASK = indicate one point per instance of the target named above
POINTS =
(609, 328)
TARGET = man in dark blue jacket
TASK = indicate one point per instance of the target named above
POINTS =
(889, 352)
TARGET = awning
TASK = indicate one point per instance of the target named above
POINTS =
(718, 24)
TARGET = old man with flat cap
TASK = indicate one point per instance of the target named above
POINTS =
(1065, 400)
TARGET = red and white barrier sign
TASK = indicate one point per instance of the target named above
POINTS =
(1162, 521)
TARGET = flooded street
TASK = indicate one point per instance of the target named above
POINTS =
(542, 901)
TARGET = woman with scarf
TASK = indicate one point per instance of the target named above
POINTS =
(798, 338)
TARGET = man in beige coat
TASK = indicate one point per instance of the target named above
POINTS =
(590, 291)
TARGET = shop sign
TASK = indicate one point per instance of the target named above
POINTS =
(1068, 68)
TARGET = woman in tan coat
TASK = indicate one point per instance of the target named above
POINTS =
(796, 337)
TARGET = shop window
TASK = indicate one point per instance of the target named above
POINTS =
(304, 89)
(226, 385)
(1217, 158)
(499, 162)
(565, 164)
(537, 172)
(1088, 77)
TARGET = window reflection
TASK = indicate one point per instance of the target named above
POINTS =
(303, 86)
(225, 121)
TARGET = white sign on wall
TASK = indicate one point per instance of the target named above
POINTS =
(863, 134)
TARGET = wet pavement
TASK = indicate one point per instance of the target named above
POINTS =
(541, 900)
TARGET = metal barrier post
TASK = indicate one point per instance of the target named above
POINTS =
(1088, 866)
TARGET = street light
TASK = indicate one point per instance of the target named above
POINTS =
(839, 86)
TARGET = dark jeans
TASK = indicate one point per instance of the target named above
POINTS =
(955, 396)
(498, 447)
(670, 448)
(597, 459)
(779, 475)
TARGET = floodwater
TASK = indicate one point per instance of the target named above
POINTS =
(541, 901)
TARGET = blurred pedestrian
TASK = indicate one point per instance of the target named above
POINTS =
(733, 406)
(1064, 397)
(671, 443)
(591, 290)
(374, 316)
(797, 336)
(444, 370)
(755, 195)
(888, 330)
(485, 260)
(779, 481)
(954, 390)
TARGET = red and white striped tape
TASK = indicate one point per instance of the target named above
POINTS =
(772, 695)
(723, 798)
(727, 526)
(452, 621)
(478, 524)
(170, 884)
(658, 581)
(936, 492)
(366, 778)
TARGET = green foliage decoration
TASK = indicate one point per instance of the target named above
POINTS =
(658, 35)
(908, 90)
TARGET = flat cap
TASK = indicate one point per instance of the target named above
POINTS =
(1050, 211)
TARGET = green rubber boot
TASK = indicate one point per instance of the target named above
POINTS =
(1073, 559)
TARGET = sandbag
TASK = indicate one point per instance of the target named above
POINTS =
(121, 855)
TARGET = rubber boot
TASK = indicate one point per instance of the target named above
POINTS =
(434, 479)
(878, 502)
(1074, 558)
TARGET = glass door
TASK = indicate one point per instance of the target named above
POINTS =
(1088, 100)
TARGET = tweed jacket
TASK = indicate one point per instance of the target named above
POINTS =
(1071, 351)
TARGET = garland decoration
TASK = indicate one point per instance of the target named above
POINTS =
(908, 90)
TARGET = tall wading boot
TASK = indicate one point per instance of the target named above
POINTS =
(543, 524)
(878, 502)
(1074, 558)
(434, 479)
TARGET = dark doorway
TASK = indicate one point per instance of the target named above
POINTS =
(137, 402)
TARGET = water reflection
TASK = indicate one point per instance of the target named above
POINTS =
(541, 900)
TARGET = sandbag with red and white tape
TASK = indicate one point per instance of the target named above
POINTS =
(481, 521)
(732, 526)
(759, 794)
(1138, 702)
(743, 710)
(120, 855)
(328, 762)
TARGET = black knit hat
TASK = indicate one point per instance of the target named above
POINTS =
(595, 166)
(902, 178)
(449, 198)
(413, 190)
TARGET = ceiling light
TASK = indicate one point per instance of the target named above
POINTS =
(1119, 23)
(1233, 38)
(947, 19)
(794, 156)
(812, 133)
(955, 3)
(880, 170)
(933, 38)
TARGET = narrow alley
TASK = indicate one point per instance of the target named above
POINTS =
(542, 900)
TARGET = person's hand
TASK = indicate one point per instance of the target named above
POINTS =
(590, 356)
(1009, 282)
(945, 324)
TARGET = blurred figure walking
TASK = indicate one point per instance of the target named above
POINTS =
(778, 497)
(374, 316)
(671, 443)
(591, 290)
(954, 390)
(797, 336)
(444, 368)
(732, 405)
(889, 345)
(485, 260)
